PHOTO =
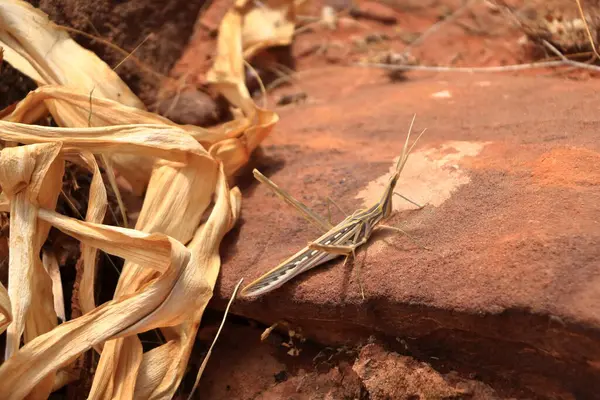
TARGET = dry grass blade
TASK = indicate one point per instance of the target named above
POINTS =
(212, 345)
(587, 30)
(113, 184)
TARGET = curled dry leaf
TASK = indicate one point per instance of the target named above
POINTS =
(232, 142)
(158, 141)
(184, 170)
(205, 247)
(162, 302)
(104, 111)
(177, 292)
(5, 314)
(269, 24)
(30, 177)
(52, 268)
(97, 205)
(41, 50)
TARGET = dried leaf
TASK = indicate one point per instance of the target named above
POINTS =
(97, 205)
(104, 112)
(163, 284)
(207, 259)
(204, 246)
(5, 307)
(41, 50)
(30, 177)
(163, 301)
(159, 141)
(232, 142)
(269, 24)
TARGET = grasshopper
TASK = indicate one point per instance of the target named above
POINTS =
(340, 240)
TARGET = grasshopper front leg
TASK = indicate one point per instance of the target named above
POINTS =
(334, 245)
(343, 250)
(412, 239)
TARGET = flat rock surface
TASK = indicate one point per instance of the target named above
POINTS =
(509, 172)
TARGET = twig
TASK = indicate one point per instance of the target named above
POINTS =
(504, 68)
(435, 27)
(564, 59)
(430, 68)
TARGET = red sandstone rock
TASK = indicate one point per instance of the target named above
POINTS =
(243, 368)
(341, 382)
(391, 376)
(507, 165)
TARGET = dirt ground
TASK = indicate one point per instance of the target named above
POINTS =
(177, 42)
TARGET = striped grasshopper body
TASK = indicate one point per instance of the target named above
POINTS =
(339, 240)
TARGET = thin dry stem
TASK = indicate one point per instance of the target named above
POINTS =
(505, 68)
(110, 173)
(206, 358)
(587, 29)
(566, 61)
(132, 51)
(260, 83)
(113, 46)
